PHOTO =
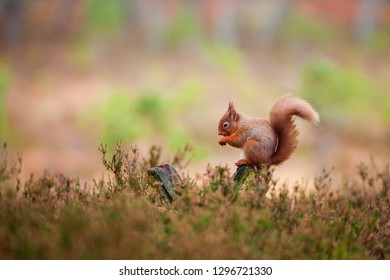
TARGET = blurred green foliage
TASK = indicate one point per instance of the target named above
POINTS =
(232, 63)
(385, 101)
(300, 27)
(150, 115)
(4, 81)
(81, 54)
(339, 93)
(117, 118)
(106, 17)
(228, 59)
(380, 41)
(186, 26)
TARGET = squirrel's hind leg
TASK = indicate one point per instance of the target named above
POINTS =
(256, 153)
(242, 160)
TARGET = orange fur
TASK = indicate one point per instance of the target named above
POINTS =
(263, 141)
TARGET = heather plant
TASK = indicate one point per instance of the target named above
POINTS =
(123, 215)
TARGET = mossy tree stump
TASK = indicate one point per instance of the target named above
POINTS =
(245, 177)
(242, 173)
(259, 179)
(167, 175)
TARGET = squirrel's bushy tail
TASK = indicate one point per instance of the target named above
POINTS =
(281, 118)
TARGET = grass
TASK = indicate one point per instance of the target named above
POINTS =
(122, 216)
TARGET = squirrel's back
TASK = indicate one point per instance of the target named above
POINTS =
(283, 124)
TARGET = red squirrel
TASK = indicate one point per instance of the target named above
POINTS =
(265, 142)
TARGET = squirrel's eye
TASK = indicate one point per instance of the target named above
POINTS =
(225, 125)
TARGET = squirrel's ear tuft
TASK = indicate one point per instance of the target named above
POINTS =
(231, 106)
(232, 111)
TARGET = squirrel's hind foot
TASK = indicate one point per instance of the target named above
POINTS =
(242, 162)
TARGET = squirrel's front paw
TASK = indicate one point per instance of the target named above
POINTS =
(221, 142)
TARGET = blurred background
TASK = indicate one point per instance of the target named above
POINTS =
(77, 73)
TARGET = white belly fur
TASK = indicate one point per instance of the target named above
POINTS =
(242, 154)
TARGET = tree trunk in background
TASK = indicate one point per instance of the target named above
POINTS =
(12, 13)
(62, 15)
(276, 19)
(153, 18)
(366, 19)
(225, 27)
